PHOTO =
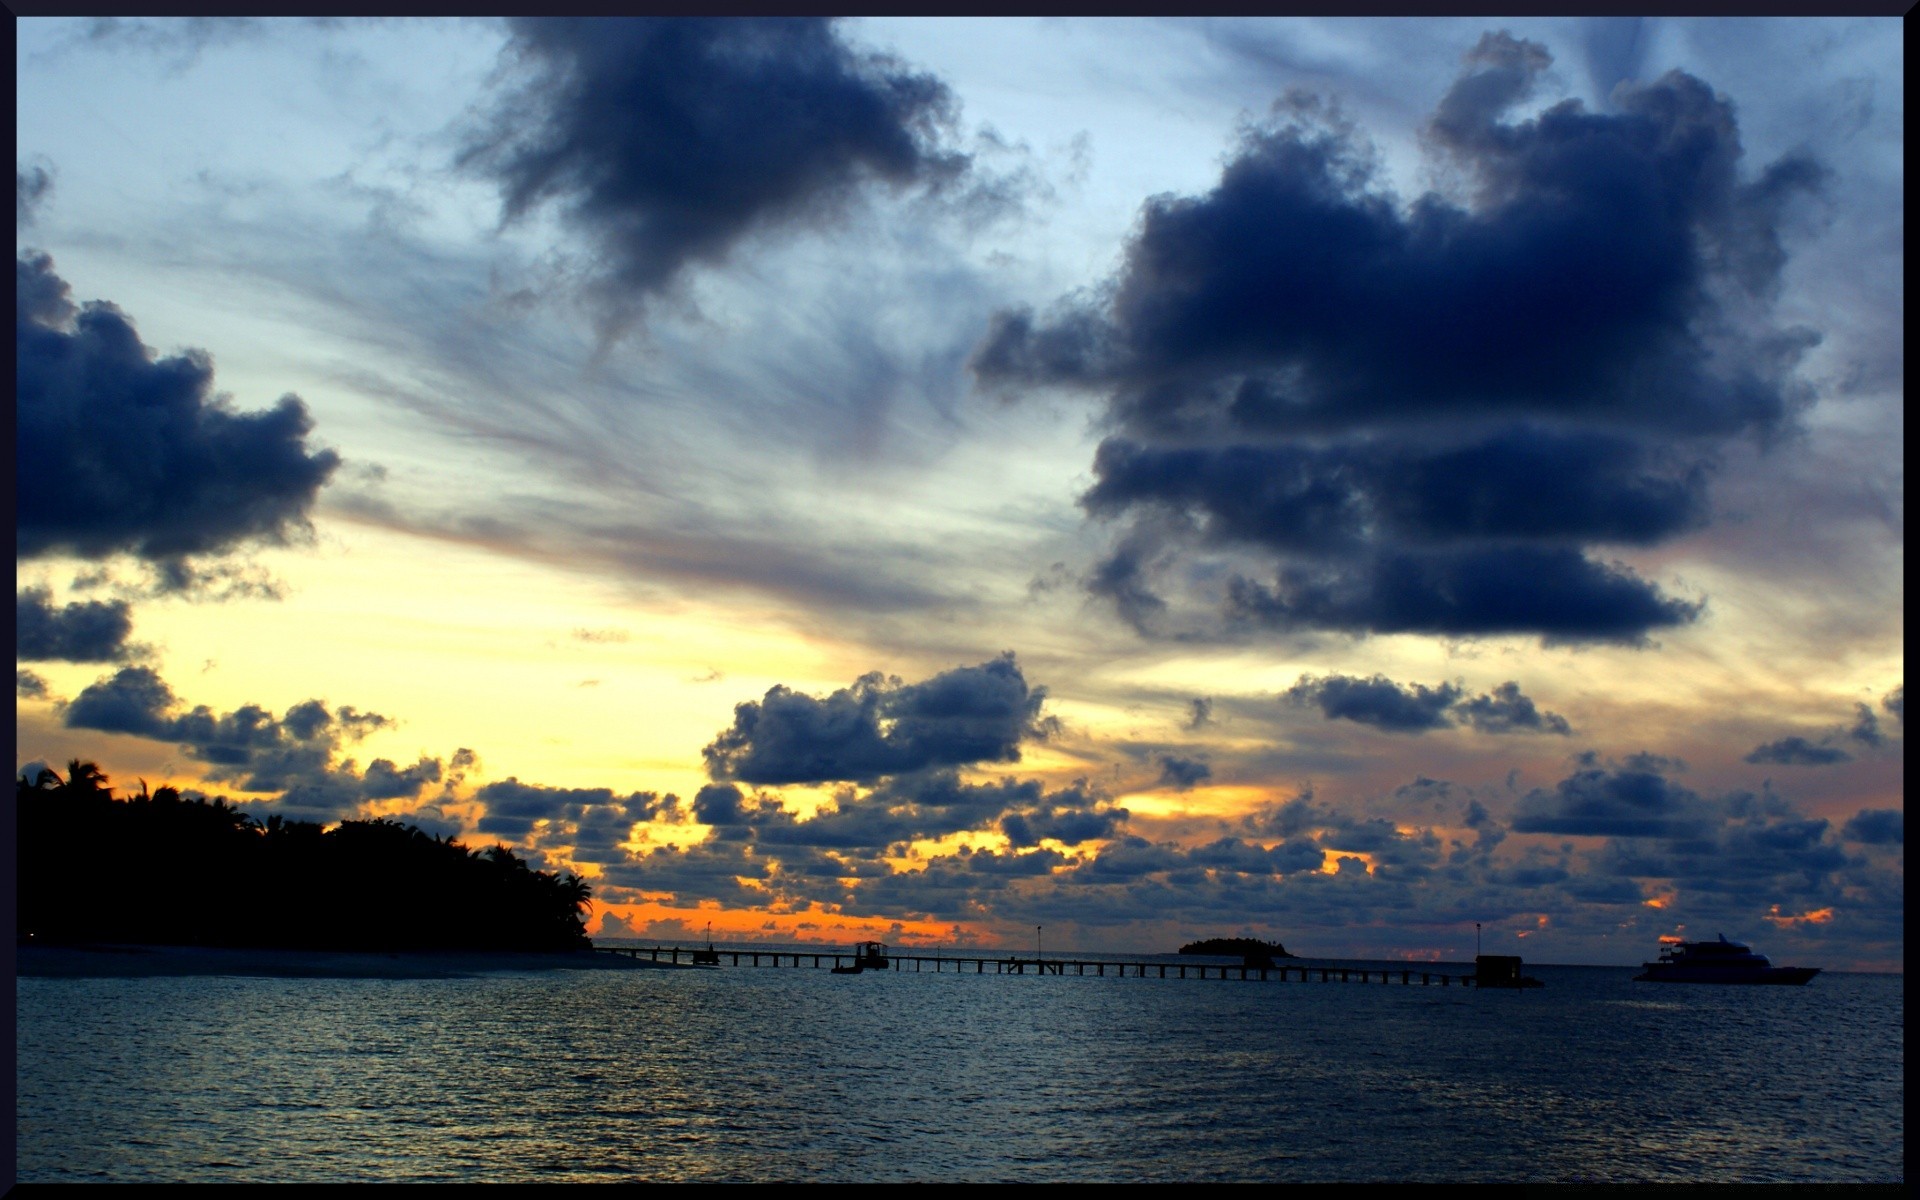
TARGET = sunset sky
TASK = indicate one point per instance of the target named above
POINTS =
(1335, 480)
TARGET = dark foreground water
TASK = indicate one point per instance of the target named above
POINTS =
(782, 1074)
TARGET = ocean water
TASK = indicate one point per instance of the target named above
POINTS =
(783, 1074)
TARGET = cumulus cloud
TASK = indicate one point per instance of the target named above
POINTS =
(668, 141)
(1798, 751)
(1437, 416)
(1378, 701)
(296, 754)
(881, 726)
(1506, 710)
(82, 631)
(593, 821)
(123, 452)
(1634, 799)
(1416, 708)
(1877, 827)
(904, 810)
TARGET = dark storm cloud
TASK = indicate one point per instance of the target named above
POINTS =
(1434, 414)
(1751, 863)
(1634, 799)
(670, 140)
(1877, 827)
(1416, 708)
(881, 727)
(32, 185)
(121, 452)
(83, 631)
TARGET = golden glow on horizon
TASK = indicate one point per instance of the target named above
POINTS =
(652, 921)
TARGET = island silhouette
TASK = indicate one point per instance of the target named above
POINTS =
(1252, 950)
(191, 871)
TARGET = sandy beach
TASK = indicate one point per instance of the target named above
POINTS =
(143, 961)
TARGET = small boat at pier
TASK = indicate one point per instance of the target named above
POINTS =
(1720, 961)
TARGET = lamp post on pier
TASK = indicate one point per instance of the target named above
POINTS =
(1036, 944)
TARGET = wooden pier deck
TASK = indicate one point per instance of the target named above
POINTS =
(979, 964)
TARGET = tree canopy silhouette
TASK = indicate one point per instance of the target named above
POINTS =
(188, 871)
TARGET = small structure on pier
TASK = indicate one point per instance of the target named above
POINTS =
(866, 956)
(1501, 971)
(708, 957)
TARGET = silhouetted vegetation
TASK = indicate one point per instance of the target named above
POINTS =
(162, 869)
(1246, 946)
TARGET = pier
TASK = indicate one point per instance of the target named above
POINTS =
(984, 964)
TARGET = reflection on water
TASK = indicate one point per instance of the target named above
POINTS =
(785, 1074)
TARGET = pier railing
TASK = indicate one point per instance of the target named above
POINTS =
(984, 964)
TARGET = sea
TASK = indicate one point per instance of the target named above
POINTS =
(778, 1074)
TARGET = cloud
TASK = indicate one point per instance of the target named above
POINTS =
(29, 686)
(1630, 800)
(1803, 752)
(1379, 701)
(1416, 708)
(1505, 710)
(1432, 417)
(1876, 827)
(929, 806)
(1895, 702)
(669, 141)
(83, 631)
(296, 754)
(1202, 712)
(1797, 751)
(881, 727)
(593, 821)
(32, 186)
(122, 452)
(1182, 774)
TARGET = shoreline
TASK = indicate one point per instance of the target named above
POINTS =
(120, 961)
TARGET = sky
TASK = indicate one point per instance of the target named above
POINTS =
(1372, 484)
